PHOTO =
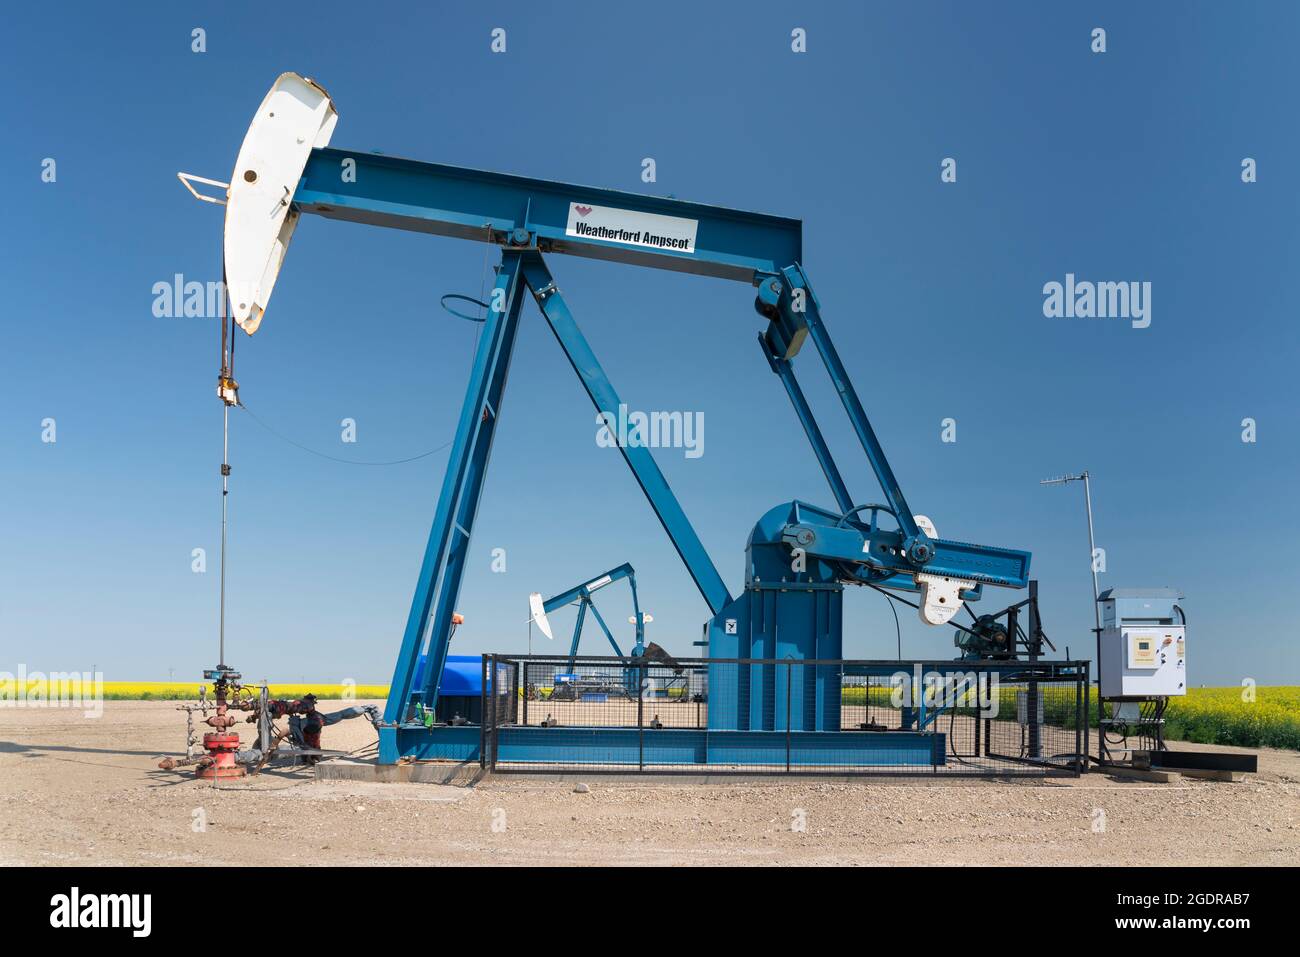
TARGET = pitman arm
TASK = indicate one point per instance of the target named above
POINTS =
(876, 555)
(911, 557)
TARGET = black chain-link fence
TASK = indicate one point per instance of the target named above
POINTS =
(784, 716)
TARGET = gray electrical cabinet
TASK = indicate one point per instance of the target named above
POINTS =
(1143, 643)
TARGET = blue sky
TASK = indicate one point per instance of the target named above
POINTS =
(1122, 166)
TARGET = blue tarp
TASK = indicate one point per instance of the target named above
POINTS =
(462, 676)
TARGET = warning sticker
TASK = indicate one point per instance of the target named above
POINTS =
(631, 228)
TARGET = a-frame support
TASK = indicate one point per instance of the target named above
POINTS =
(443, 567)
(638, 457)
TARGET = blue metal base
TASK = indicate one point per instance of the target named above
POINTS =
(668, 746)
(442, 743)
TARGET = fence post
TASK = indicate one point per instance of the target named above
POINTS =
(1084, 688)
(1078, 732)
(483, 712)
(525, 683)
(496, 730)
(640, 715)
(789, 676)
(1031, 697)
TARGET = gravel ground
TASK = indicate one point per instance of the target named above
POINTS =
(87, 791)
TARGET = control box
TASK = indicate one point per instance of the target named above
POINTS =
(1143, 643)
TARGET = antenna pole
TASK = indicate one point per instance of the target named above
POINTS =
(1085, 478)
(1092, 552)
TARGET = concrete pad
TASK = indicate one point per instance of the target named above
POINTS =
(415, 772)
(1208, 775)
(1141, 774)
